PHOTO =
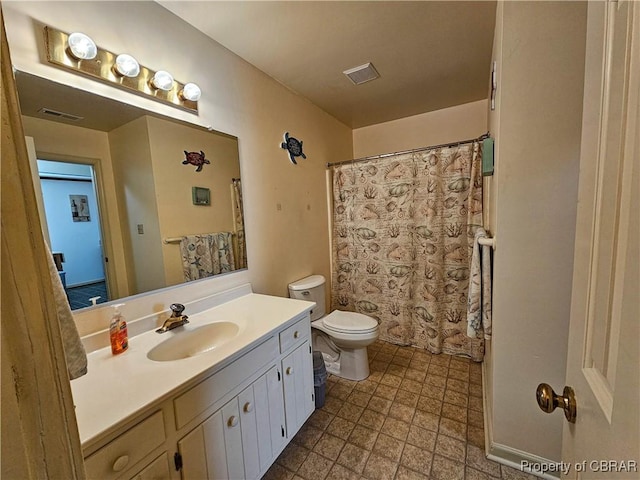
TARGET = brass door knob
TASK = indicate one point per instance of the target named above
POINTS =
(548, 400)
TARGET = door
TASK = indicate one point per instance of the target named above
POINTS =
(603, 365)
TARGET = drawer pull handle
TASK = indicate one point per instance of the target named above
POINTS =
(296, 334)
(248, 407)
(232, 422)
(289, 370)
(120, 463)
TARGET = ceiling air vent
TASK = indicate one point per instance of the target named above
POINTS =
(55, 113)
(362, 74)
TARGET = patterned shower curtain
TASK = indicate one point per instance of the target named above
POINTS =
(241, 256)
(206, 255)
(402, 241)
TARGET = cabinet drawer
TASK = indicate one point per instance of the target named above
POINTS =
(196, 401)
(126, 450)
(156, 470)
(296, 333)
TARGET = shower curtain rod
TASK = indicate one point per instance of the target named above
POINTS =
(384, 155)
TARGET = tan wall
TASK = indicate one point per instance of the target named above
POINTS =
(55, 141)
(136, 190)
(286, 207)
(173, 181)
(461, 122)
(540, 53)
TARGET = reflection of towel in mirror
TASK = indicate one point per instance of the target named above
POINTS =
(74, 352)
(206, 255)
(479, 300)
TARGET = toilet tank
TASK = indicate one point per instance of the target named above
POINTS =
(310, 289)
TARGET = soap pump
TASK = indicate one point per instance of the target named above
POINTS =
(118, 331)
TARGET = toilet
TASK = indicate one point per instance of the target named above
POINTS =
(342, 337)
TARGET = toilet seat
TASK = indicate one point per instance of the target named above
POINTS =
(349, 323)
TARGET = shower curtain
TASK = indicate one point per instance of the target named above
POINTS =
(241, 257)
(403, 234)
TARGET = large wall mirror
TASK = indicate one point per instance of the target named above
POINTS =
(124, 209)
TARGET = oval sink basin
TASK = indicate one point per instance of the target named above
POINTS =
(185, 344)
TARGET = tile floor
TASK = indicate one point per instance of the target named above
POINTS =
(79, 296)
(417, 416)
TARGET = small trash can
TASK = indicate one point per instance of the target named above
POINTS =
(319, 378)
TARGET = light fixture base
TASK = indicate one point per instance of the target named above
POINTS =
(101, 68)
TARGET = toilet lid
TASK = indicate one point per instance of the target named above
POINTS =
(349, 322)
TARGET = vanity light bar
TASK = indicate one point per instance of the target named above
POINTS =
(101, 67)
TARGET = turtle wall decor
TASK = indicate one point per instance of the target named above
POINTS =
(195, 158)
(293, 146)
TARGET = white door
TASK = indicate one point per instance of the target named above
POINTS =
(603, 365)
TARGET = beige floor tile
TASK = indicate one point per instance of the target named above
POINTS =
(388, 447)
(414, 374)
(416, 459)
(396, 428)
(473, 474)
(444, 469)
(277, 472)
(338, 472)
(407, 398)
(359, 398)
(391, 380)
(417, 416)
(308, 436)
(372, 419)
(454, 412)
(405, 473)
(379, 468)
(293, 456)
(426, 420)
(363, 437)
(353, 457)
(453, 429)
(419, 437)
(329, 446)
(315, 467)
(451, 448)
(509, 473)
(379, 404)
(428, 404)
(402, 412)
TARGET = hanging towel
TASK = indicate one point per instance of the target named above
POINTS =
(479, 300)
(74, 352)
(206, 255)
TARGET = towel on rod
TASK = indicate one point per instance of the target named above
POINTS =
(206, 255)
(479, 300)
(74, 351)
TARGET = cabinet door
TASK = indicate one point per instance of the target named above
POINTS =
(276, 411)
(249, 431)
(232, 440)
(298, 387)
(194, 455)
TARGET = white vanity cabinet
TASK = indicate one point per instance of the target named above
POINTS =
(229, 419)
(241, 439)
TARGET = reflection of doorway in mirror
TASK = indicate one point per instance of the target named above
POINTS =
(69, 187)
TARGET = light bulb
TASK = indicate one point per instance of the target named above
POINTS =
(82, 47)
(162, 80)
(127, 66)
(191, 92)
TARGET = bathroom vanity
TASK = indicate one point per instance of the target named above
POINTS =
(220, 404)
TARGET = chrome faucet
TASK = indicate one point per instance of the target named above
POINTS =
(175, 320)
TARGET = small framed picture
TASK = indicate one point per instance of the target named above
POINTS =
(201, 196)
(79, 208)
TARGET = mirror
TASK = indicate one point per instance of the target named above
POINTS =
(141, 181)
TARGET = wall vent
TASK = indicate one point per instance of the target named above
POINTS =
(55, 113)
(363, 73)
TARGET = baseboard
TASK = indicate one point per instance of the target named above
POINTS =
(514, 458)
(501, 453)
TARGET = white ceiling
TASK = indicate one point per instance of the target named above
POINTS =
(430, 55)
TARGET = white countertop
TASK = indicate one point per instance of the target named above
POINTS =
(119, 387)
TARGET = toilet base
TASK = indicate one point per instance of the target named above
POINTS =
(348, 363)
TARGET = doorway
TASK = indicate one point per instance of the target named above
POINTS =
(74, 229)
